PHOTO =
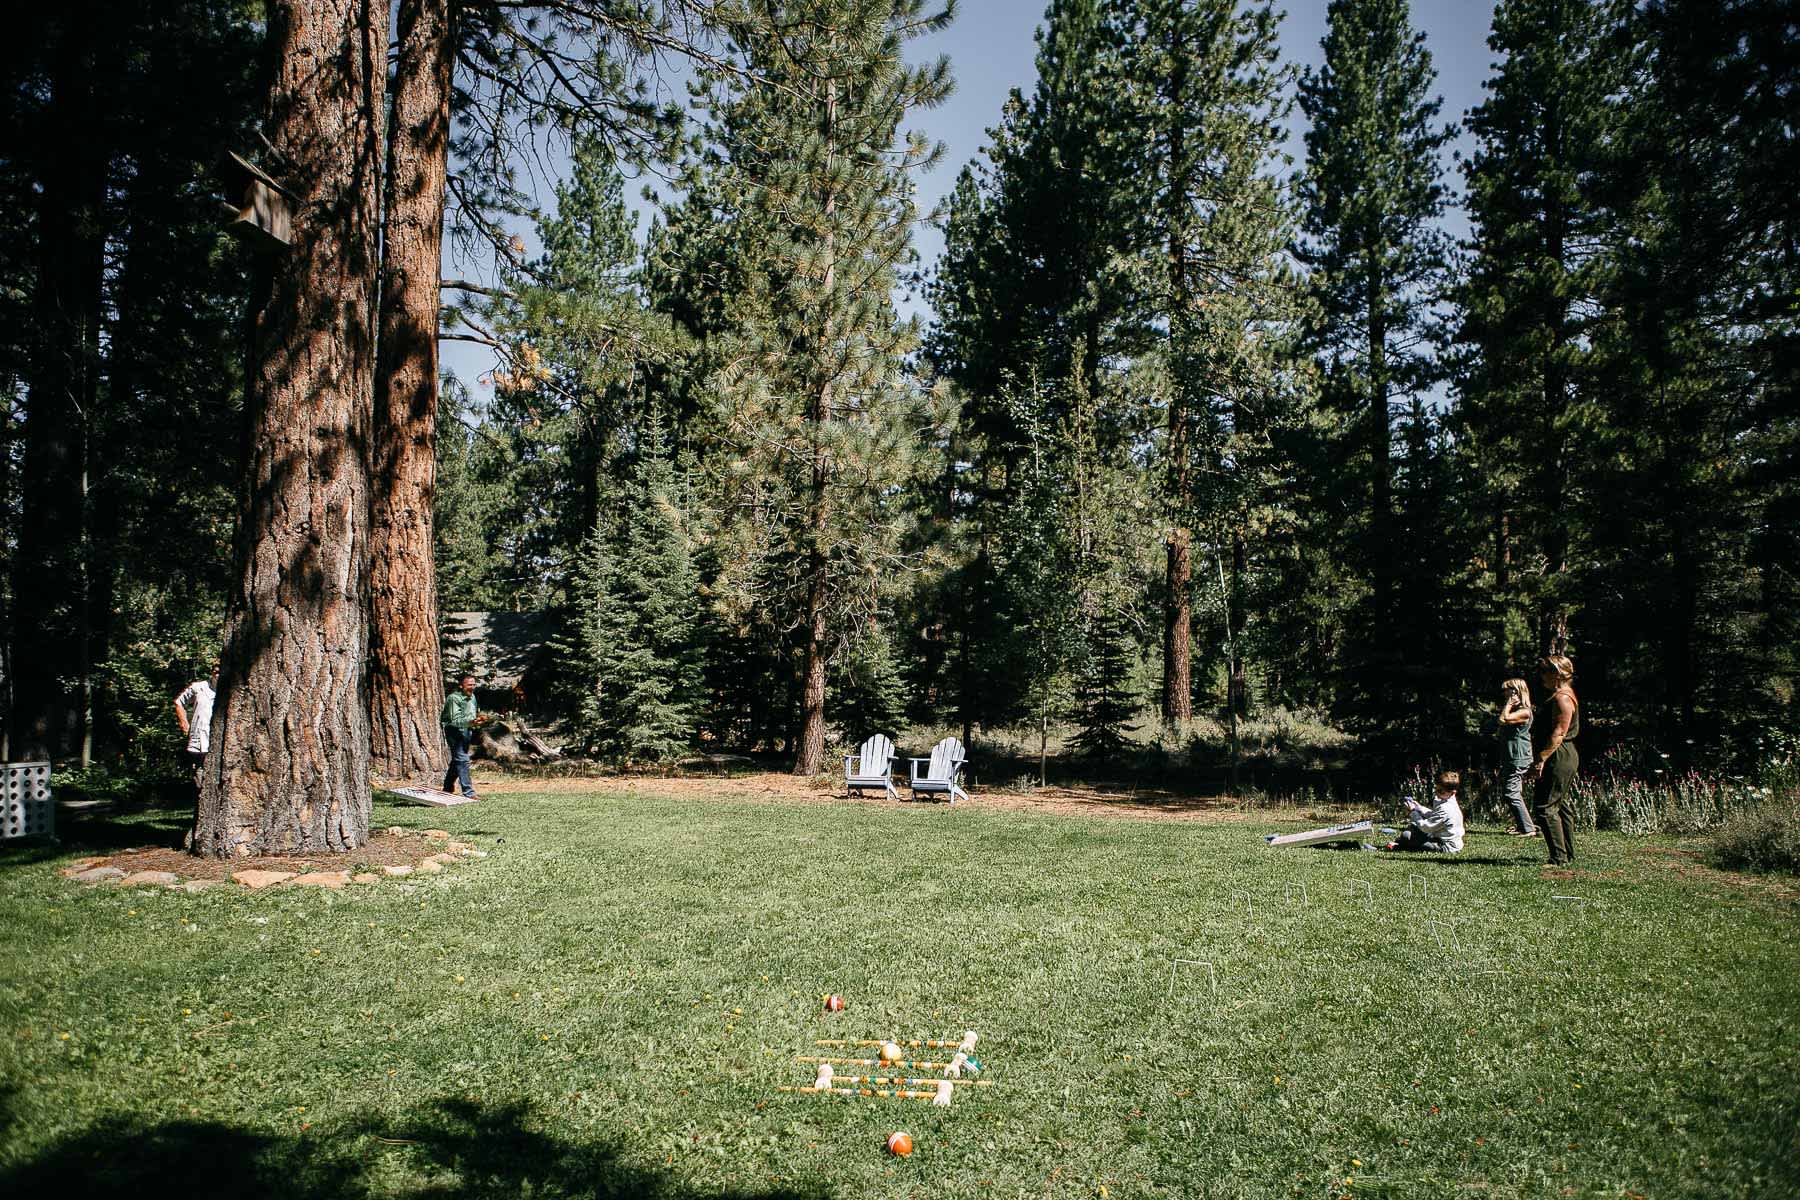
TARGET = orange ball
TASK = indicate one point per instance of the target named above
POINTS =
(834, 1004)
(899, 1144)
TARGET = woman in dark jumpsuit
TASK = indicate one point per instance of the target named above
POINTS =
(1553, 757)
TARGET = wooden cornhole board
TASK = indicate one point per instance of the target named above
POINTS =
(1352, 832)
(432, 797)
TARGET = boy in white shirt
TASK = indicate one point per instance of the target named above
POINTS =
(1437, 827)
(193, 709)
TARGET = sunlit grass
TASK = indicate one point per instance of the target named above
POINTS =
(609, 1002)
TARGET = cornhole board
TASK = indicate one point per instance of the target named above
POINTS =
(1352, 832)
(27, 808)
(432, 797)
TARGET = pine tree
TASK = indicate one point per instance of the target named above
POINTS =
(1105, 703)
(569, 409)
(289, 764)
(461, 553)
(812, 396)
(1695, 385)
(1379, 260)
(1215, 225)
(1525, 386)
(637, 614)
(867, 693)
(1435, 615)
(1036, 283)
(406, 685)
(1022, 665)
(1101, 513)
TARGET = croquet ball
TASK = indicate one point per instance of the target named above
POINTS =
(899, 1144)
(890, 1053)
(834, 1004)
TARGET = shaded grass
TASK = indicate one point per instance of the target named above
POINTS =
(607, 1003)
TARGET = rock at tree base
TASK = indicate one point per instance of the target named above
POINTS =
(261, 879)
(97, 874)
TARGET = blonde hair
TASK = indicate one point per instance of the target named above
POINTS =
(1558, 663)
(1519, 690)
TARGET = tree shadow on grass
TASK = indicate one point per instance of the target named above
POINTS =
(1439, 861)
(448, 1148)
(102, 831)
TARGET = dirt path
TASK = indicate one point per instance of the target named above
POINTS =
(780, 788)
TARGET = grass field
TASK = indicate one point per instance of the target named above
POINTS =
(606, 1005)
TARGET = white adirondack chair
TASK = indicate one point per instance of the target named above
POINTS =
(942, 770)
(868, 768)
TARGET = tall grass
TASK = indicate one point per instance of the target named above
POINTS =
(1627, 792)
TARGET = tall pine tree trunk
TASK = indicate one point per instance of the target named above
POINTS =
(49, 647)
(289, 768)
(809, 748)
(1381, 472)
(1177, 697)
(406, 687)
(1177, 701)
(809, 751)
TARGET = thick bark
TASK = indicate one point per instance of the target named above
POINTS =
(809, 749)
(49, 650)
(289, 768)
(406, 687)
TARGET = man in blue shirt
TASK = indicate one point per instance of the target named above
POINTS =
(459, 718)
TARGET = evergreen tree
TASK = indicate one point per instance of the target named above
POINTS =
(1211, 246)
(569, 406)
(1105, 702)
(811, 395)
(461, 505)
(1022, 667)
(1036, 284)
(1435, 664)
(1525, 382)
(637, 615)
(1101, 515)
(405, 676)
(1379, 261)
(868, 694)
(1696, 385)
(288, 769)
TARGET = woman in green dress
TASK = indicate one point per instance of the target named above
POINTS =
(1553, 757)
(1515, 750)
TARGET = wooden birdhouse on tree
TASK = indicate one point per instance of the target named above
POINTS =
(262, 213)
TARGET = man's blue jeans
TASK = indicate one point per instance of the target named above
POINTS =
(457, 774)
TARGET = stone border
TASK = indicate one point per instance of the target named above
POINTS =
(98, 869)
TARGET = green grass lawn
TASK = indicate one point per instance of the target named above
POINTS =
(606, 1005)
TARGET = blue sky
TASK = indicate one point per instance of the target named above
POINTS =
(992, 49)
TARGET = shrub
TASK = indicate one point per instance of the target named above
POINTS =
(1760, 839)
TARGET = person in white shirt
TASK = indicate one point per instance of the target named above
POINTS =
(193, 709)
(1435, 827)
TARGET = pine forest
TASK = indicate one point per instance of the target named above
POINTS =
(1241, 437)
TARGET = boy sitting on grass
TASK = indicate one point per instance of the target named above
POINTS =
(1438, 827)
